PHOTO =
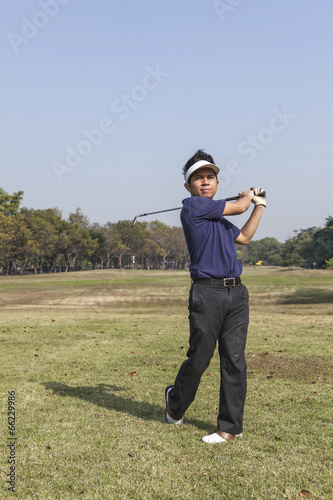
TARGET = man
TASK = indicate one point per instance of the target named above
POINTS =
(218, 302)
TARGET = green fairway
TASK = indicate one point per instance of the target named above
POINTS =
(88, 355)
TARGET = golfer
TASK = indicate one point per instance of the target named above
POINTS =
(218, 301)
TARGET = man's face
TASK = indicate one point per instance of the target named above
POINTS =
(203, 182)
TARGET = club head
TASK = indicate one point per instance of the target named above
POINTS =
(134, 220)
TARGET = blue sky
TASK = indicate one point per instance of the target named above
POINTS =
(102, 103)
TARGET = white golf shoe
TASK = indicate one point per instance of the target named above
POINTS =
(219, 437)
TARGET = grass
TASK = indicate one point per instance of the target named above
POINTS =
(89, 355)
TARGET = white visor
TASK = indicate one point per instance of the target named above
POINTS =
(200, 164)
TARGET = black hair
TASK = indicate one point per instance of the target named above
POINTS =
(199, 155)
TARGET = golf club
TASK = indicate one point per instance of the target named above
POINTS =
(232, 198)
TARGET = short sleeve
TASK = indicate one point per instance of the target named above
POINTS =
(201, 209)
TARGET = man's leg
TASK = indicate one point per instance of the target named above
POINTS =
(232, 343)
(205, 325)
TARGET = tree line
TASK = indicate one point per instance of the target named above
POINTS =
(43, 241)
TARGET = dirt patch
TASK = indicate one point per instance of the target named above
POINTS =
(305, 367)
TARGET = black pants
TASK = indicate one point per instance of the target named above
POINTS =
(216, 314)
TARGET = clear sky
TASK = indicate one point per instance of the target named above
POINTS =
(102, 103)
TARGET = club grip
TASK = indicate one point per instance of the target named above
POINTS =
(263, 194)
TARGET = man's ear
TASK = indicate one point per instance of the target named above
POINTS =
(187, 186)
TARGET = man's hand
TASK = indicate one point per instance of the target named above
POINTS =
(249, 193)
(248, 230)
(259, 196)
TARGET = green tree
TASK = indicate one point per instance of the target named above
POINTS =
(10, 203)
(78, 246)
(135, 241)
(46, 229)
(164, 244)
(267, 249)
(299, 250)
(115, 248)
(329, 263)
(179, 252)
(14, 239)
(323, 243)
(99, 255)
(305, 247)
(78, 217)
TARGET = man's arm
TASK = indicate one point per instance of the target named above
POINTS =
(251, 226)
(239, 206)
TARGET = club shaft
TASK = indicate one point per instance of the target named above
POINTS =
(232, 198)
(160, 211)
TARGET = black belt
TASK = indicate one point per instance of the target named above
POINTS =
(226, 282)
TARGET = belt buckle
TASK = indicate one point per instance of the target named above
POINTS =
(229, 282)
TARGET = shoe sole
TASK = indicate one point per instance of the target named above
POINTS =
(174, 422)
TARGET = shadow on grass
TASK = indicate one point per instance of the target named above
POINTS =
(102, 395)
(312, 296)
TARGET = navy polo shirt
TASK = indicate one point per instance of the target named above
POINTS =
(210, 239)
